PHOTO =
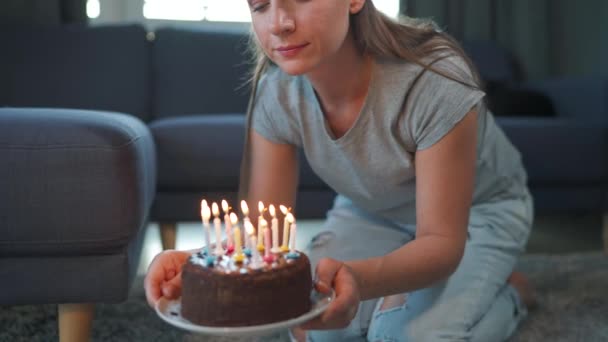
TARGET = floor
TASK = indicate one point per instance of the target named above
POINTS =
(551, 234)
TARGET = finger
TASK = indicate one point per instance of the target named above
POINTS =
(321, 286)
(172, 289)
(345, 305)
(338, 314)
(160, 269)
(347, 302)
(332, 318)
(325, 273)
(152, 290)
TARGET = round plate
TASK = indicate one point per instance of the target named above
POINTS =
(171, 312)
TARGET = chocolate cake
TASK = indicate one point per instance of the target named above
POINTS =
(217, 291)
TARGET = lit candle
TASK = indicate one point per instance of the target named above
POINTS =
(245, 210)
(275, 230)
(293, 254)
(260, 228)
(267, 256)
(292, 237)
(285, 211)
(262, 224)
(255, 256)
(238, 249)
(228, 224)
(205, 215)
(218, 229)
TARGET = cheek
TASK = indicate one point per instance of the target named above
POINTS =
(332, 32)
(261, 36)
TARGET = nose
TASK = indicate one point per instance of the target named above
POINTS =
(282, 21)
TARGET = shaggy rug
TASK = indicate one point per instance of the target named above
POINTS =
(572, 293)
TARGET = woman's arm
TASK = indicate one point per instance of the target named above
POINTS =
(274, 173)
(445, 175)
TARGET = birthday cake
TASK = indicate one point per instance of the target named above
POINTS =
(217, 291)
(242, 284)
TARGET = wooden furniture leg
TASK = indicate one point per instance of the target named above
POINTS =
(168, 231)
(75, 322)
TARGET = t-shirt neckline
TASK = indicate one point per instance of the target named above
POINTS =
(361, 116)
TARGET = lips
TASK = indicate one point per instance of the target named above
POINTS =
(291, 50)
(291, 47)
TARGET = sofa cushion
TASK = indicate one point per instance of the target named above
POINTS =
(102, 68)
(203, 153)
(73, 182)
(560, 152)
(582, 98)
(200, 71)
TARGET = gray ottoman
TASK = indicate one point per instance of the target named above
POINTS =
(76, 187)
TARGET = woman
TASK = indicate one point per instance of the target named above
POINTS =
(432, 209)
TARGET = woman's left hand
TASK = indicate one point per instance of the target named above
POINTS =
(339, 313)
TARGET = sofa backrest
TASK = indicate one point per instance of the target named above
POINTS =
(102, 68)
(494, 63)
(199, 71)
(579, 98)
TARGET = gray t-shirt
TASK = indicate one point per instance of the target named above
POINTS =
(372, 164)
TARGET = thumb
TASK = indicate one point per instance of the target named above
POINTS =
(172, 288)
(325, 273)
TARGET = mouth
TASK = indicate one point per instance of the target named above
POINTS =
(291, 50)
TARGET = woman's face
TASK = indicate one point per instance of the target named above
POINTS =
(299, 35)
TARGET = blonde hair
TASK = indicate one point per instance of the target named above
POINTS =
(375, 34)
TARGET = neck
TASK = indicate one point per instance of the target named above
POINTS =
(343, 79)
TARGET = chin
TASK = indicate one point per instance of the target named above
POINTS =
(294, 67)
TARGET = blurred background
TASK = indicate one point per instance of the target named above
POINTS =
(538, 59)
(549, 38)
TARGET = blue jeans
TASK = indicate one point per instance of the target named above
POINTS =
(474, 304)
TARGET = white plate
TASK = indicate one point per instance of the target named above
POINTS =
(171, 312)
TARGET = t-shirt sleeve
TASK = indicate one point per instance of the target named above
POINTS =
(438, 103)
(271, 117)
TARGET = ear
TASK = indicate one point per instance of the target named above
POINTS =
(356, 6)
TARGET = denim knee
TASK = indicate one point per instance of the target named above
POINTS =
(334, 336)
(388, 325)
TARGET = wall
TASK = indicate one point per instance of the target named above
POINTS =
(579, 37)
(552, 38)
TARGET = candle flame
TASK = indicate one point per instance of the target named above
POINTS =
(290, 218)
(249, 228)
(284, 209)
(225, 206)
(273, 213)
(215, 209)
(203, 204)
(244, 208)
(234, 219)
(205, 213)
(261, 207)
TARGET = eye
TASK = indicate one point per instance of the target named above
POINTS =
(256, 7)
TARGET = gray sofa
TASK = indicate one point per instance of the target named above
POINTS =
(186, 86)
(76, 185)
(76, 191)
(197, 124)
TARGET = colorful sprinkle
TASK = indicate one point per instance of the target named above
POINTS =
(269, 258)
(292, 255)
(210, 260)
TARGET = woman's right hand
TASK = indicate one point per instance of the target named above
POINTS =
(164, 278)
